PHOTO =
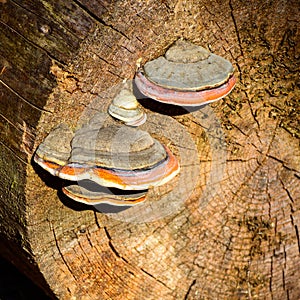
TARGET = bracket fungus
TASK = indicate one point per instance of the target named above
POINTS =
(93, 194)
(119, 156)
(53, 153)
(114, 156)
(126, 108)
(187, 75)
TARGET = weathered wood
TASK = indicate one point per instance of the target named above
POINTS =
(230, 228)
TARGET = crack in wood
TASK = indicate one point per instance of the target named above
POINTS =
(101, 21)
(239, 160)
(156, 279)
(59, 251)
(239, 129)
(11, 123)
(236, 28)
(104, 60)
(139, 40)
(14, 153)
(251, 111)
(186, 296)
(96, 220)
(271, 274)
(283, 279)
(282, 163)
(88, 239)
(287, 294)
(33, 44)
(40, 16)
(112, 247)
(115, 74)
(288, 194)
(23, 99)
(127, 49)
(116, 252)
(285, 257)
(297, 235)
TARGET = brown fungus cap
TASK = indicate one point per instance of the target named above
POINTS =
(56, 147)
(116, 147)
(188, 67)
(116, 156)
(187, 75)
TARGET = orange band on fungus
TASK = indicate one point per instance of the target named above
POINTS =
(183, 98)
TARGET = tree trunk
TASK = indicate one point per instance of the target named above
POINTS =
(228, 226)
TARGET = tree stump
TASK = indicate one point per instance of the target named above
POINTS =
(228, 226)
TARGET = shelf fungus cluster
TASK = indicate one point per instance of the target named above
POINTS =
(100, 159)
(187, 75)
(97, 157)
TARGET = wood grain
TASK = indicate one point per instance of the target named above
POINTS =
(230, 229)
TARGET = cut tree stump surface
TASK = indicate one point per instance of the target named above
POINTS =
(228, 226)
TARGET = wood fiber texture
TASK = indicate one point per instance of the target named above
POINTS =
(228, 226)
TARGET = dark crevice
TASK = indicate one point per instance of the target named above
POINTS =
(298, 238)
(139, 40)
(89, 240)
(14, 153)
(106, 61)
(252, 113)
(25, 100)
(236, 27)
(292, 220)
(117, 75)
(285, 256)
(240, 159)
(96, 220)
(139, 16)
(239, 129)
(58, 61)
(282, 162)
(47, 20)
(283, 280)
(12, 124)
(271, 275)
(161, 282)
(112, 247)
(286, 190)
(59, 251)
(189, 289)
(127, 49)
(101, 21)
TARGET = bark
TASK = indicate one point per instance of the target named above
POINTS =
(228, 226)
